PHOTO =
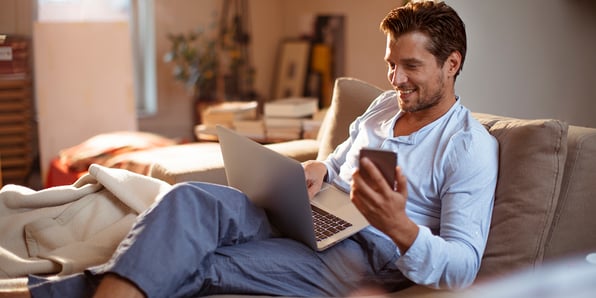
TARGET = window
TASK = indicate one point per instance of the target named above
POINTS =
(139, 14)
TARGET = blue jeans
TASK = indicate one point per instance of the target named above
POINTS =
(205, 239)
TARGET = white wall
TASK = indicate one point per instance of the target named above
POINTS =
(530, 59)
(83, 82)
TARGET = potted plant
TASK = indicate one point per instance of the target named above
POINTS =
(213, 64)
(196, 63)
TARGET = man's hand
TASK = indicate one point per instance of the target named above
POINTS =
(314, 171)
(384, 208)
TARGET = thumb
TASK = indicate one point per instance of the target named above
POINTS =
(402, 182)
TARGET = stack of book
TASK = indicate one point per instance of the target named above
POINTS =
(284, 118)
(14, 56)
(226, 113)
(311, 127)
(254, 129)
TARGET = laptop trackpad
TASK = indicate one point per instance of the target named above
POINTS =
(331, 198)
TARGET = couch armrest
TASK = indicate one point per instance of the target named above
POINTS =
(300, 150)
(189, 162)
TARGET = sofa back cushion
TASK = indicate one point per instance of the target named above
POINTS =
(574, 225)
(532, 156)
(350, 99)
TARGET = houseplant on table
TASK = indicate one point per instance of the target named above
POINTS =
(196, 64)
(214, 64)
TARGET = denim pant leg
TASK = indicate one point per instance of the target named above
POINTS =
(284, 267)
(169, 244)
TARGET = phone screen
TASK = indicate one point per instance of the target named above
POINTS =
(384, 160)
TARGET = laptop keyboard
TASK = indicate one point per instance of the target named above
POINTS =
(327, 224)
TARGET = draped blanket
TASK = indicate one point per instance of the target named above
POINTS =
(65, 229)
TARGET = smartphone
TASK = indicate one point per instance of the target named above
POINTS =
(384, 160)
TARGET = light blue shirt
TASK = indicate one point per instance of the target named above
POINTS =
(451, 165)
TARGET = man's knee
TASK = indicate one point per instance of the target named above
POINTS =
(200, 195)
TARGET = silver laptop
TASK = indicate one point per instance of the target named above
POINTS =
(277, 183)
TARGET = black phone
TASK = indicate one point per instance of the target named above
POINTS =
(384, 160)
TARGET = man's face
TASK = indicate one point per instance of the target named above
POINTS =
(414, 74)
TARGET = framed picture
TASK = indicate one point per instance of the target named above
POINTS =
(292, 69)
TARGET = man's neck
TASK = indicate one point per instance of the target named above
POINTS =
(411, 122)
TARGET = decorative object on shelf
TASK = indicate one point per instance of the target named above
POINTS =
(234, 36)
(292, 69)
(328, 53)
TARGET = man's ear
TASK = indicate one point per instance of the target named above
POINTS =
(453, 63)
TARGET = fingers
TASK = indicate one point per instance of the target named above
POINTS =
(312, 190)
(373, 176)
(369, 183)
(314, 171)
(367, 186)
(312, 186)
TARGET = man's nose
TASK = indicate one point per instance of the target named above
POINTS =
(398, 77)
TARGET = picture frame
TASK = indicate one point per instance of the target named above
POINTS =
(292, 69)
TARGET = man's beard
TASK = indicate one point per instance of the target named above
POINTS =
(428, 102)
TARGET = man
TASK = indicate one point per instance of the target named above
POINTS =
(203, 239)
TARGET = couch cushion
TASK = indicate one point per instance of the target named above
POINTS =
(532, 156)
(350, 99)
(574, 224)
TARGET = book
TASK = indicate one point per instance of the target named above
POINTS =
(310, 128)
(284, 133)
(14, 54)
(283, 128)
(295, 107)
(227, 112)
(271, 122)
(254, 129)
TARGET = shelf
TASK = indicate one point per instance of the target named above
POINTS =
(16, 129)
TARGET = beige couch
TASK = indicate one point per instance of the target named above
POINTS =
(546, 192)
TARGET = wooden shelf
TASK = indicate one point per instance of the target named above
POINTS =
(16, 129)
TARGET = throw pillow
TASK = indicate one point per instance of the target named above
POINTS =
(532, 157)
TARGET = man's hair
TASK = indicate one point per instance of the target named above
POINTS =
(438, 21)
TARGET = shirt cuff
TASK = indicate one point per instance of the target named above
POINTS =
(330, 175)
(417, 264)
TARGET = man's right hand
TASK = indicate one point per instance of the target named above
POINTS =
(384, 207)
(315, 172)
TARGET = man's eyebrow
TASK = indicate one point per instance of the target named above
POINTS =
(411, 61)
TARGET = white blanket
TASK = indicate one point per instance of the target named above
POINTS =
(65, 229)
